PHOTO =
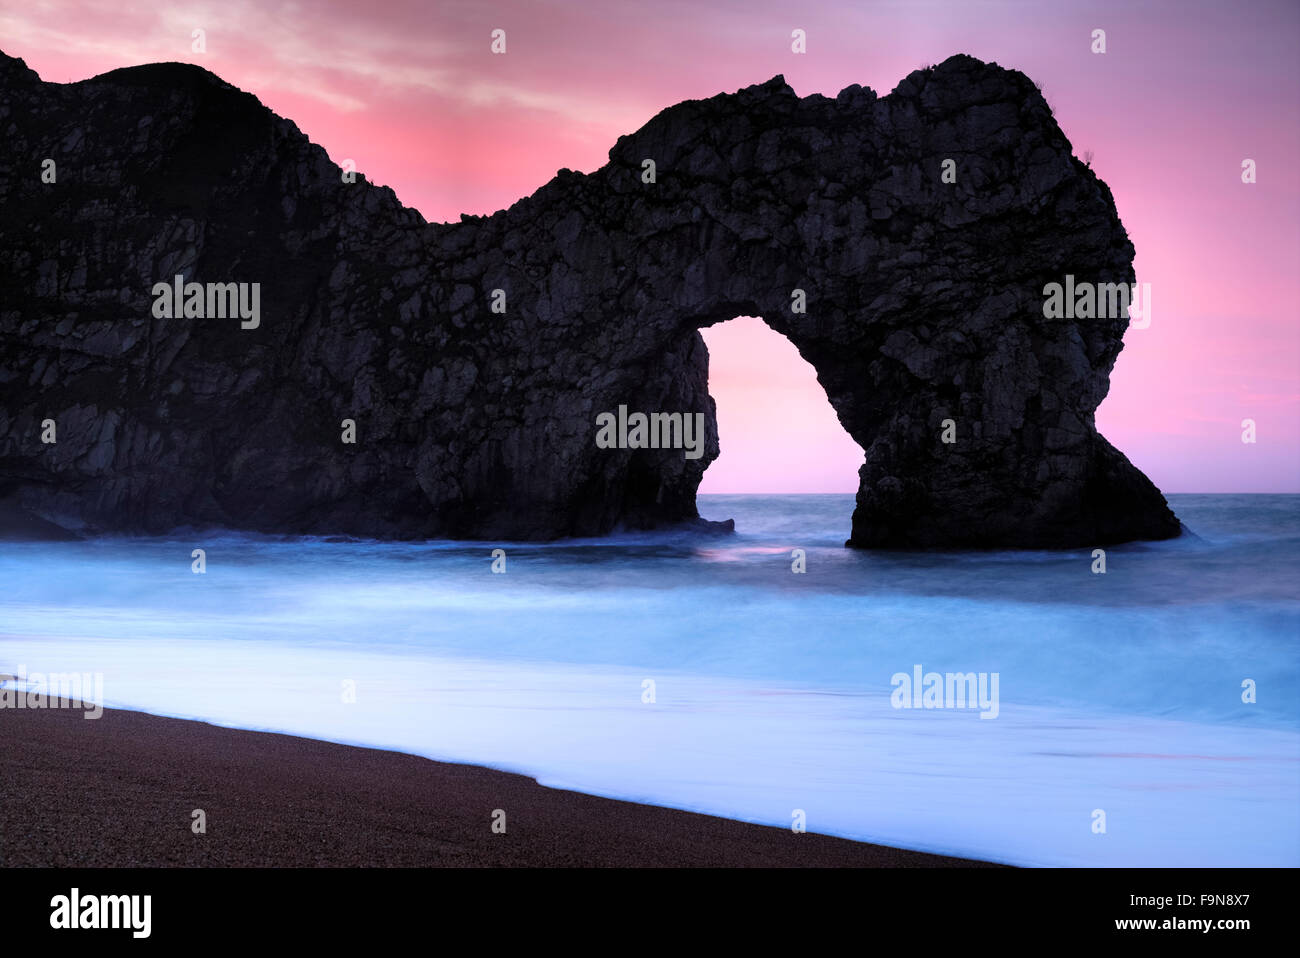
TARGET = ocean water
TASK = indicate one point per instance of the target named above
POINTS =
(700, 672)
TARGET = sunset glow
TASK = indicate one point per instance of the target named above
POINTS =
(412, 93)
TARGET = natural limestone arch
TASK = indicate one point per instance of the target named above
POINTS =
(924, 304)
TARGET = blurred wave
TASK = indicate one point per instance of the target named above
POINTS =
(773, 687)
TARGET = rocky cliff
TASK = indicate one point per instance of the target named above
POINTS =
(474, 358)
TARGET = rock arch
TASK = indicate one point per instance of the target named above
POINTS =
(924, 303)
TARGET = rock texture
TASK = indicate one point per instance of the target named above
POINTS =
(924, 303)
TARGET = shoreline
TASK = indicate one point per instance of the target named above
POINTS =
(121, 791)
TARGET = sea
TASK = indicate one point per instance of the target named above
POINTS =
(1144, 715)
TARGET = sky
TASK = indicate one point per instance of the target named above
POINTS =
(1185, 92)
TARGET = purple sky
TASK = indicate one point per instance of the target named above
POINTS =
(1184, 93)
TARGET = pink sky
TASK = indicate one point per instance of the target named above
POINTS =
(1184, 93)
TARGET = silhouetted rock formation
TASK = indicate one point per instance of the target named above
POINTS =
(924, 303)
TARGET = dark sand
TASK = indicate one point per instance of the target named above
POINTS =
(120, 790)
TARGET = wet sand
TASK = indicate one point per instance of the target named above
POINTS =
(122, 790)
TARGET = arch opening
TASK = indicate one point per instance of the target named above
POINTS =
(777, 430)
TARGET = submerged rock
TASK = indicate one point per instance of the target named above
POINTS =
(474, 358)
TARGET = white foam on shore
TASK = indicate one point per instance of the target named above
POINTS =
(1021, 789)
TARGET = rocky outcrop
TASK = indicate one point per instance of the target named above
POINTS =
(924, 304)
